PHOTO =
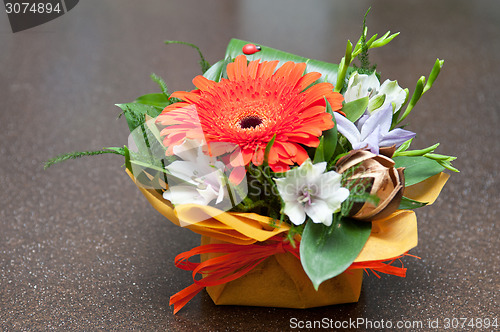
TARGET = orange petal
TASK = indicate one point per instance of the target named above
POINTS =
(203, 83)
(266, 69)
(301, 155)
(186, 96)
(307, 80)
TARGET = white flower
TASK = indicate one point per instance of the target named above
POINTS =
(201, 177)
(309, 190)
(361, 86)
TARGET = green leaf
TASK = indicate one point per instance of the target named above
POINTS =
(154, 99)
(384, 40)
(418, 168)
(161, 83)
(80, 154)
(268, 150)
(403, 147)
(327, 251)
(354, 109)
(419, 90)
(217, 71)
(376, 103)
(330, 137)
(148, 165)
(413, 153)
(135, 113)
(127, 158)
(410, 204)
(434, 74)
(344, 64)
(319, 155)
(327, 70)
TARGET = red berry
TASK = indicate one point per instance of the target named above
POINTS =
(250, 49)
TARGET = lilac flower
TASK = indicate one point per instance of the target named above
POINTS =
(373, 131)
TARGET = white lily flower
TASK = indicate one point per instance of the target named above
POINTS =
(361, 86)
(202, 176)
(308, 190)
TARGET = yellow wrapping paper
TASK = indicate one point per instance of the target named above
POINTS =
(280, 280)
(428, 190)
(237, 228)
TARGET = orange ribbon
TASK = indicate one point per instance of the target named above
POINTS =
(241, 259)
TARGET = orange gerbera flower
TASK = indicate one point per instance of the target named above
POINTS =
(250, 107)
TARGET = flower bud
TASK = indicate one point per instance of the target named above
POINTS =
(376, 175)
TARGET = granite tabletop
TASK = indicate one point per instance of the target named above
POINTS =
(80, 247)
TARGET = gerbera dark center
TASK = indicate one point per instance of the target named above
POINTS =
(250, 121)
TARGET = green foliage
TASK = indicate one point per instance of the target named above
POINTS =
(327, 251)
(203, 63)
(161, 83)
(420, 89)
(413, 153)
(361, 50)
(410, 204)
(158, 100)
(363, 57)
(79, 154)
(135, 113)
(319, 155)
(330, 137)
(417, 168)
(355, 109)
(217, 71)
(443, 160)
(403, 147)
(267, 151)
(344, 64)
(328, 70)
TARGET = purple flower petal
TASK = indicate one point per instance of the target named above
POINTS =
(373, 140)
(362, 120)
(382, 118)
(397, 136)
(347, 128)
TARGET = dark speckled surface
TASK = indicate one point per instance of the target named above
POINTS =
(81, 249)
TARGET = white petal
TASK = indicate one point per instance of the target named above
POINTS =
(394, 94)
(182, 170)
(360, 86)
(334, 201)
(188, 150)
(208, 194)
(295, 212)
(330, 182)
(319, 168)
(184, 195)
(319, 212)
(287, 188)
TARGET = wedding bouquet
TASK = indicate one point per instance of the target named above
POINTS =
(297, 173)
